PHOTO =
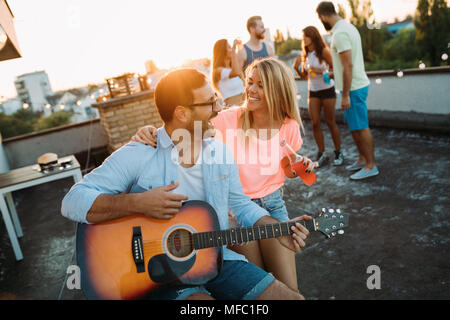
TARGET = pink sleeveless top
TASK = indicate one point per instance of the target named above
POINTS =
(259, 162)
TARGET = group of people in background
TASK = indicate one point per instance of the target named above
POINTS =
(230, 62)
(260, 96)
(320, 65)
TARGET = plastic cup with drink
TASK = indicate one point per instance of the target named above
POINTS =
(300, 167)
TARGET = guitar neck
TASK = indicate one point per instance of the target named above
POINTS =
(233, 236)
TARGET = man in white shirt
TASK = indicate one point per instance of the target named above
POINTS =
(351, 79)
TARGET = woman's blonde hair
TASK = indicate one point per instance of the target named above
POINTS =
(280, 91)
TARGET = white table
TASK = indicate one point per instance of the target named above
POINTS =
(22, 178)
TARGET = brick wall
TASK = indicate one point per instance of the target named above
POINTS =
(121, 117)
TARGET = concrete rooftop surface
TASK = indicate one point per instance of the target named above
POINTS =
(398, 222)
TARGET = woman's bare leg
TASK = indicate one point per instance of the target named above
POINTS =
(280, 261)
(314, 109)
(329, 106)
(251, 251)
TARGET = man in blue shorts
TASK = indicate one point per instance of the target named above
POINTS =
(138, 179)
(351, 79)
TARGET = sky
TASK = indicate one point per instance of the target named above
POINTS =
(78, 42)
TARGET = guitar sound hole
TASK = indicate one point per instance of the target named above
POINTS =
(180, 243)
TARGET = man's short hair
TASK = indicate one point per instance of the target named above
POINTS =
(175, 89)
(251, 22)
(326, 8)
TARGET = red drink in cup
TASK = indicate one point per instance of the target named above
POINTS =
(308, 178)
(300, 167)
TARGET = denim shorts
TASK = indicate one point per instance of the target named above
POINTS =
(239, 280)
(357, 116)
(274, 204)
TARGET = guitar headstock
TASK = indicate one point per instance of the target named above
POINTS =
(331, 222)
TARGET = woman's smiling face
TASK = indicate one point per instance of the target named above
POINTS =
(256, 99)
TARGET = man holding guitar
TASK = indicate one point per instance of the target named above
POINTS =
(137, 180)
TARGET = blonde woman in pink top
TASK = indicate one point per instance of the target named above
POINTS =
(254, 133)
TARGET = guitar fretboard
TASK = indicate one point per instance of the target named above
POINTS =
(219, 238)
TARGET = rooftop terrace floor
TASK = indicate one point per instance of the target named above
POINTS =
(399, 221)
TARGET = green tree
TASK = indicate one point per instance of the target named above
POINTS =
(278, 39)
(372, 34)
(54, 120)
(287, 46)
(432, 22)
(11, 126)
(341, 11)
(399, 52)
(361, 12)
(26, 115)
(401, 46)
(92, 87)
(20, 122)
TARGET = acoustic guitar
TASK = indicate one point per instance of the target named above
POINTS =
(129, 258)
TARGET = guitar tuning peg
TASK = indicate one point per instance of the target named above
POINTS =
(331, 210)
(333, 234)
(341, 231)
(338, 210)
(322, 211)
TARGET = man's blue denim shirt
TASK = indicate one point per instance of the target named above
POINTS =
(136, 168)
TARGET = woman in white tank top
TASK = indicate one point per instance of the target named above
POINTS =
(313, 64)
(226, 74)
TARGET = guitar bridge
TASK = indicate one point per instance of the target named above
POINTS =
(136, 249)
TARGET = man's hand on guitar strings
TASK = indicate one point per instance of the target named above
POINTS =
(159, 203)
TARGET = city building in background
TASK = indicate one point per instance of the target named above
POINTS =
(398, 25)
(32, 89)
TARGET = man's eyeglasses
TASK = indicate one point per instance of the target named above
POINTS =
(217, 103)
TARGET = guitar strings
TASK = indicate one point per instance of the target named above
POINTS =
(151, 245)
(189, 238)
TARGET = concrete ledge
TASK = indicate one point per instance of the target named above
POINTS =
(51, 130)
(428, 70)
(393, 72)
(143, 95)
(64, 140)
(436, 123)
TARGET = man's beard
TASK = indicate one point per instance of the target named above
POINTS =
(326, 25)
(261, 36)
(206, 130)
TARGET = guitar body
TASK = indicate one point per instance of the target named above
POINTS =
(106, 256)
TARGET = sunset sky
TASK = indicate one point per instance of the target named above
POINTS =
(79, 41)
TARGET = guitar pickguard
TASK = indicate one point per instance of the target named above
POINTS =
(162, 269)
